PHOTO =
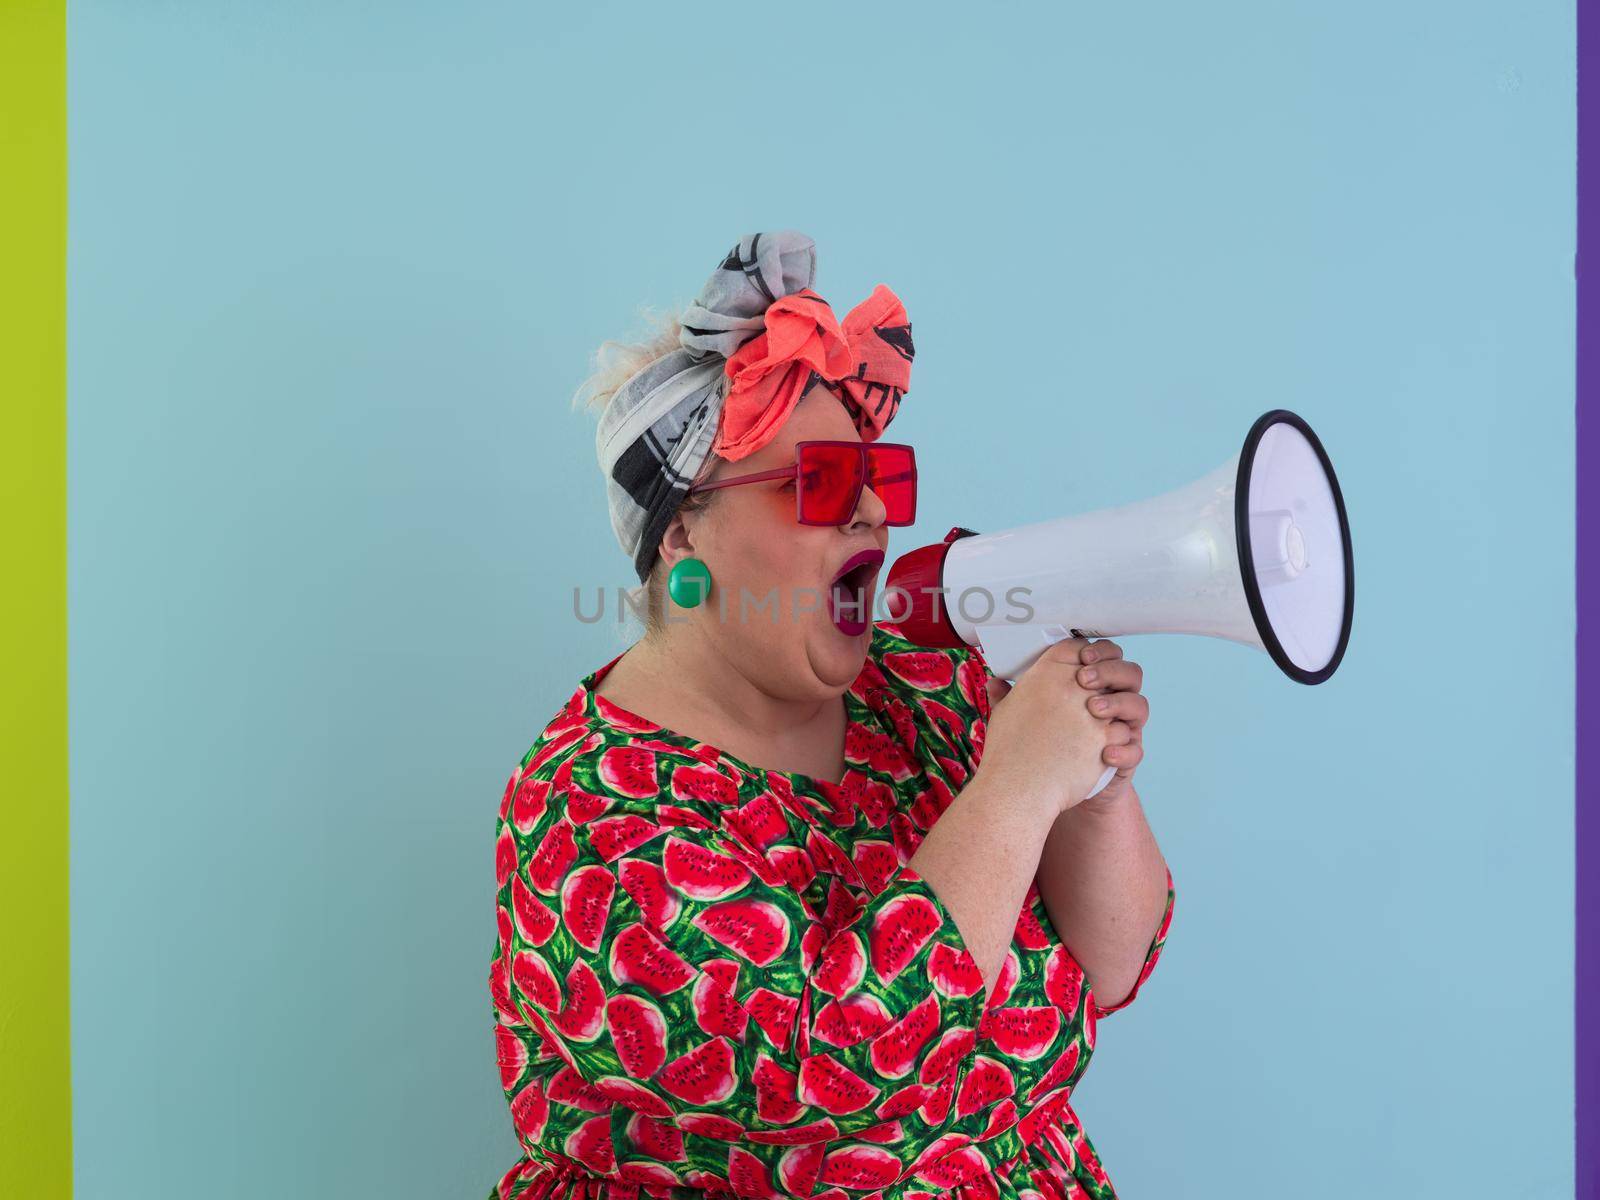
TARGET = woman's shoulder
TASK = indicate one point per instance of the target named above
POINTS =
(942, 689)
(593, 758)
(954, 676)
(616, 752)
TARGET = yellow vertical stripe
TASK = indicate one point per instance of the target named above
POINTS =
(35, 1063)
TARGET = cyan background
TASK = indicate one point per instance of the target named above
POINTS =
(335, 269)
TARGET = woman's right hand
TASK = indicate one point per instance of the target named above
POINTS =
(1041, 735)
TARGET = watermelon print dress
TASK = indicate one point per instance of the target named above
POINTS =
(714, 980)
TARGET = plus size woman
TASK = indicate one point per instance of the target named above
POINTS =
(789, 906)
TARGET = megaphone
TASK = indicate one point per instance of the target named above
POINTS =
(1257, 552)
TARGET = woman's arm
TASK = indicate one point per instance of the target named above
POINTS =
(1105, 884)
(980, 858)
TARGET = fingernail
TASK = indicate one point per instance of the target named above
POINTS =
(1086, 656)
(1100, 705)
(1090, 676)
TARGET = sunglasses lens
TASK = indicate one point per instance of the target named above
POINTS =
(892, 475)
(830, 480)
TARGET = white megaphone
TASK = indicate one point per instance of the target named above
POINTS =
(1257, 552)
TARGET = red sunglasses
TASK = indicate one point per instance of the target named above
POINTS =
(830, 475)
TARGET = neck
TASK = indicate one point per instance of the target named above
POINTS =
(699, 691)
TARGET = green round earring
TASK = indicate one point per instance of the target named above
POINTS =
(689, 582)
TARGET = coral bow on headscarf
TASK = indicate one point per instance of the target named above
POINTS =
(868, 356)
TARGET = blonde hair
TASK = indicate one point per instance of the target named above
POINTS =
(615, 362)
(612, 365)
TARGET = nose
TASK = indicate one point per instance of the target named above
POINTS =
(870, 510)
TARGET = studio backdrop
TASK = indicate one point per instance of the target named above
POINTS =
(334, 272)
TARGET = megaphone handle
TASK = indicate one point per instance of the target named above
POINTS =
(1010, 650)
(1100, 784)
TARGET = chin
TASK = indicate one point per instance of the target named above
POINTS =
(835, 647)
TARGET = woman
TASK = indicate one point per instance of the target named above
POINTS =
(766, 926)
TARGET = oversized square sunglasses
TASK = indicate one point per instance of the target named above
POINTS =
(829, 477)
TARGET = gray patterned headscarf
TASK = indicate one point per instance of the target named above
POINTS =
(658, 428)
(737, 374)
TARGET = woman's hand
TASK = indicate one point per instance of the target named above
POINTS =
(1045, 737)
(1113, 695)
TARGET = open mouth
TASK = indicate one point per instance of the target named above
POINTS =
(851, 592)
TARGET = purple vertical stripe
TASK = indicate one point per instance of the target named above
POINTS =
(1586, 1002)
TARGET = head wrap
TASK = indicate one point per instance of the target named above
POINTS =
(752, 343)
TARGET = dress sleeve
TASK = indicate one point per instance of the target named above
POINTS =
(973, 672)
(1150, 957)
(673, 953)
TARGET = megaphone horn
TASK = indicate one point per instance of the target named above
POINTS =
(1257, 552)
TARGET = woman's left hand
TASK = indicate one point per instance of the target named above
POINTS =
(1115, 682)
